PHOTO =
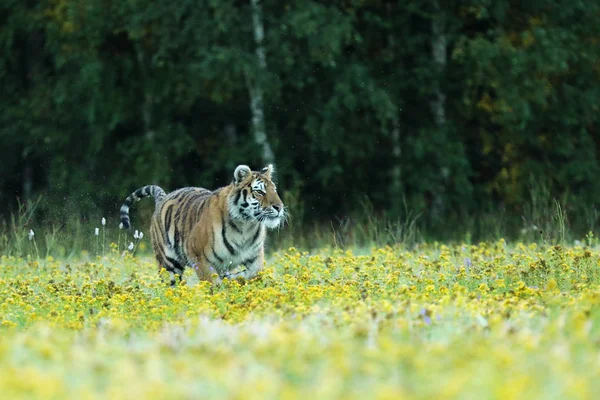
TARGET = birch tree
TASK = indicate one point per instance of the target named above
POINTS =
(396, 189)
(255, 87)
(438, 48)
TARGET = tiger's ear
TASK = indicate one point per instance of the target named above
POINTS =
(268, 171)
(240, 173)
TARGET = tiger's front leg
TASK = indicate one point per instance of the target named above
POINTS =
(255, 265)
(205, 271)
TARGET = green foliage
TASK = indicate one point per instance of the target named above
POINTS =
(100, 97)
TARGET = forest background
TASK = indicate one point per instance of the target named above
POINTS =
(386, 120)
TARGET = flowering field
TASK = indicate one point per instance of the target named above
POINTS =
(470, 322)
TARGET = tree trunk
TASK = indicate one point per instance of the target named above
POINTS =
(438, 47)
(230, 132)
(147, 101)
(34, 69)
(27, 183)
(255, 88)
(396, 188)
(396, 184)
(438, 104)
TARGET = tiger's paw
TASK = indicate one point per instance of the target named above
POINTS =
(239, 276)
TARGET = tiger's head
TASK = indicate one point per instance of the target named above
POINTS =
(254, 197)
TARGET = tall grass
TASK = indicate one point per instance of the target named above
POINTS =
(65, 239)
(14, 236)
(543, 219)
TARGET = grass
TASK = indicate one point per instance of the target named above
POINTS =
(492, 320)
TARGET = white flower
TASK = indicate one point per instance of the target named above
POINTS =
(141, 235)
(31, 234)
(130, 246)
(136, 234)
(103, 221)
(120, 225)
(96, 231)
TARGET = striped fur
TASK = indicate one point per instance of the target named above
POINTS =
(150, 190)
(213, 231)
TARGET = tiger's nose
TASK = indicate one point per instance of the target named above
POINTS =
(277, 207)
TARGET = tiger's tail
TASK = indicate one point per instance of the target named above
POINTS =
(145, 191)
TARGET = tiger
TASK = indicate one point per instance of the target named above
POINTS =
(213, 232)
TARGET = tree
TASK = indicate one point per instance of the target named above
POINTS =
(255, 88)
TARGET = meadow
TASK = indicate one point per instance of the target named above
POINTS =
(494, 320)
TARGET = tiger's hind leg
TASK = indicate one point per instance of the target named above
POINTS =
(173, 267)
(165, 255)
(170, 264)
(175, 270)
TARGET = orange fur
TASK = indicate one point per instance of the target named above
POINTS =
(214, 232)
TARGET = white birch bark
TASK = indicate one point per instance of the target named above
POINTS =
(396, 173)
(396, 184)
(438, 47)
(147, 102)
(255, 88)
(33, 68)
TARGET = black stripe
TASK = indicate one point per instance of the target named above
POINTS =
(197, 195)
(225, 241)
(194, 256)
(176, 194)
(204, 203)
(190, 202)
(205, 257)
(183, 194)
(176, 218)
(163, 258)
(234, 226)
(256, 235)
(249, 261)
(157, 192)
(168, 214)
(188, 220)
(216, 256)
(214, 242)
(177, 245)
(157, 238)
(179, 209)
(129, 200)
(155, 234)
(159, 249)
(183, 208)
(177, 268)
(160, 221)
(199, 201)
